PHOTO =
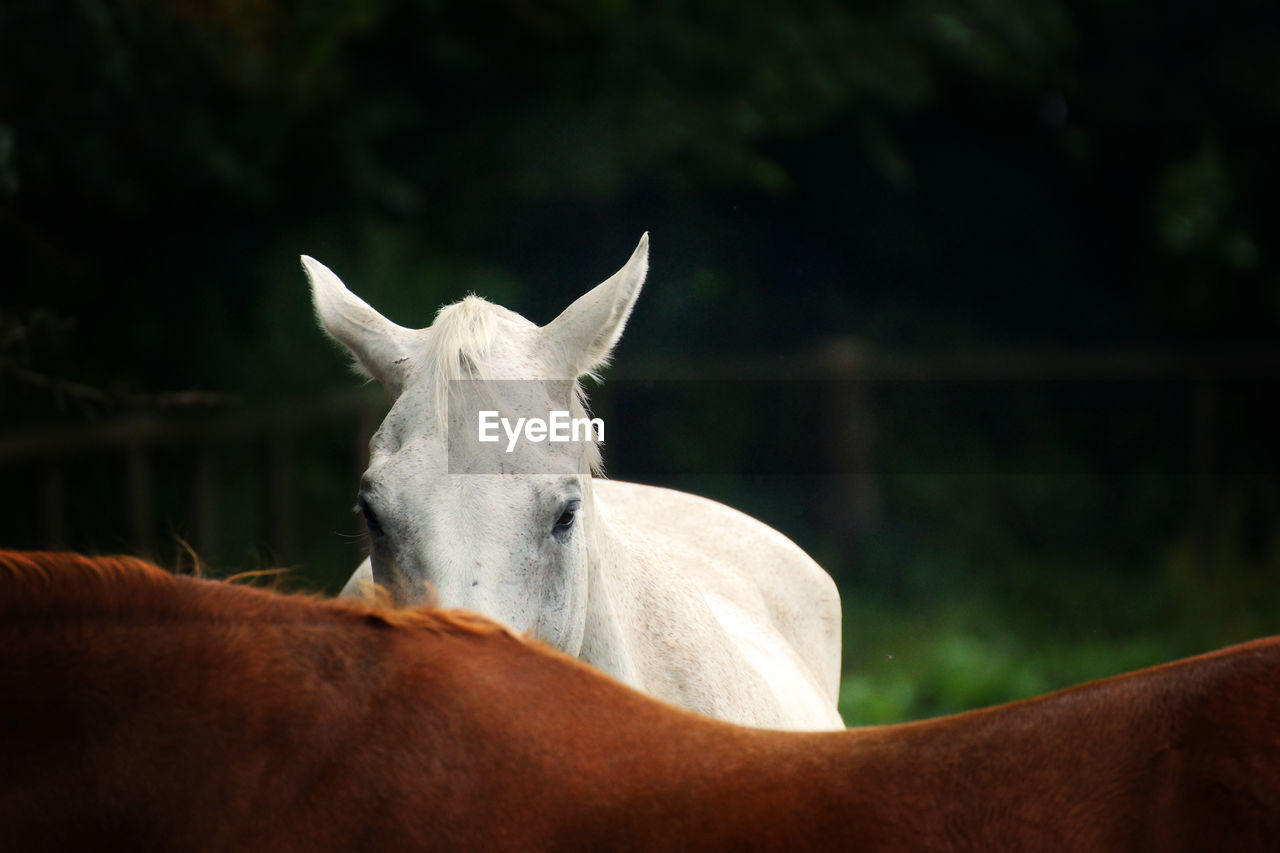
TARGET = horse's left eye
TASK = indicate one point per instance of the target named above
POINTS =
(566, 519)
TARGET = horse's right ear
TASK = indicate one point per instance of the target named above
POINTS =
(586, 332)
(379, 345)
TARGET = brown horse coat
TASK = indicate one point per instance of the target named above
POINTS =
(141, 710)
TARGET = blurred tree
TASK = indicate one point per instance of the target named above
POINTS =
(921, 174)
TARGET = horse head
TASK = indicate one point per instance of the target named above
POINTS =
(500, 522)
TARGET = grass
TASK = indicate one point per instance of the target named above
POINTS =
(906, 661)
(907, 664)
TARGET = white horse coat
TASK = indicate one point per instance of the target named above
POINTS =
(679, 596)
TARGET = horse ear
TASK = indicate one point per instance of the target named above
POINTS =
(587, 330)
(379, 346)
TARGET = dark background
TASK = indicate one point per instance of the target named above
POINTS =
(977, 301)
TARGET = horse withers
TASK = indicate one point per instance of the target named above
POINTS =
(146, 711)
(679, 596)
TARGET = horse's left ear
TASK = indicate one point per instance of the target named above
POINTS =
(586, 332)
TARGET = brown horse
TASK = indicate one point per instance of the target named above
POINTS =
(141, 710)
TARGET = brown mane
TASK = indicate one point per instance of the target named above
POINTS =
(34, 572)
(46, 582)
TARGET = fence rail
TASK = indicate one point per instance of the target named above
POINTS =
(850, 370)
(137, 438)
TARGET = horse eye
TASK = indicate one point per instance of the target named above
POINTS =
(370, 517)
(567, 517)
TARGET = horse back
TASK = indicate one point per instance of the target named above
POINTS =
(738, 558)
(1182, 756)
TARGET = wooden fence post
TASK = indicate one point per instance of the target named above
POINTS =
(140, 500)
(204, 503)
(1204, 468)
(54, 499)
(284, 513)
(853, 497)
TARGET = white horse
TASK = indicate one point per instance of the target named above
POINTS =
(676, 595)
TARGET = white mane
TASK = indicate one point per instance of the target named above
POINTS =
(459, 347)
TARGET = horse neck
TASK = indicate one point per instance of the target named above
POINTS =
(604, 641)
